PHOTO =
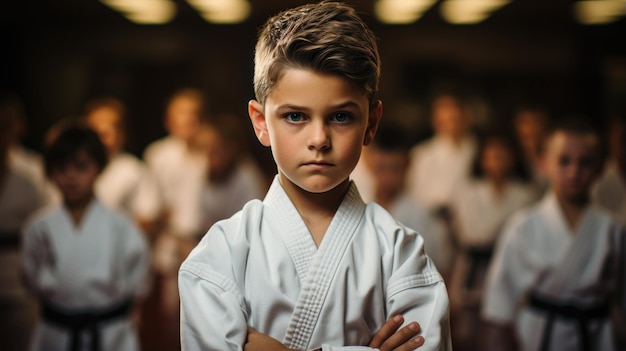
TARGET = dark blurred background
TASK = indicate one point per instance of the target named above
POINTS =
(55, 55)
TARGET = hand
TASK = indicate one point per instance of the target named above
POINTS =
(389, 338)
(260, 342)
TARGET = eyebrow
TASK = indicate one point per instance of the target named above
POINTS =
(347, 104)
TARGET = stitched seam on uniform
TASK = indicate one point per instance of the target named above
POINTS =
(294, 239)
(204, 272)
(346, 220)
(413, 281)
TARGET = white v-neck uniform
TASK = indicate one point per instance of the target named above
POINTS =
(261, 268)
(438, 167)
(610, 191)
(538, 251)
(479, 215)
(127, 184)
(98, 264)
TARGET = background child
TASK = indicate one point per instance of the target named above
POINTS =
(557, 269)
(126, 183)
(388, 157)
(479, 209)
(313, 266)
(439, 165)
(21, 194)
(232, 177)
(86, 264)
(610, 190)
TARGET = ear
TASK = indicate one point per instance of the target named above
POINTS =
(376, 112)
(257, 117)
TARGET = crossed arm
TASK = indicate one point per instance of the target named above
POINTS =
(390, 337)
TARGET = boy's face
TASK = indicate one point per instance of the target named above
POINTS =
(496, 160)
(316, 125)
(448, 117)
(572, 164)
(183, 117)
(389, 169)
(76, 178)
(106, 122)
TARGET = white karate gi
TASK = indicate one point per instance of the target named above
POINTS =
(364, 180)
(128, 185)
(437, 168)
(479, 214)
(96, 265)
(610, 192)
(538, 251)
(31, 164)
(220, 201)
(261, 268)
(20, 197)
(180, 175)
(437, 244)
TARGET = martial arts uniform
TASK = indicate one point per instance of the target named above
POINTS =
(222, 200)
(554, 284)
(437, 244)
(180, 174)
(128, 185)
(479, 214)
(86, 278)
(20, 197)
(610, 192)
(438, 167)
(261, 268)
(364, 180)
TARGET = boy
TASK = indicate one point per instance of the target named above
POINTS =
(86, 264)
(440, 165)
(388, 157)
(610, 190)
(232, 178)
(312, 265)
(558, 269)
(126, 183)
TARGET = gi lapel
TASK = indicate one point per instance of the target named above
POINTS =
(585, 240)
(322, 270)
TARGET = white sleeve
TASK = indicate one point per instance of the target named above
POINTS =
(504, 278)
(137, 260)
(213, 315)
(147, 202)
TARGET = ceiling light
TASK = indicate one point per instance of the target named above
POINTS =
(222, 11)
(599, 11)
(469, 11)
(144, 11)
(401, 11)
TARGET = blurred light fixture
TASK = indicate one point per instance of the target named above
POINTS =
(401, 11)
(599, 11)
(144, 11)
(222, 11)
(469, 11)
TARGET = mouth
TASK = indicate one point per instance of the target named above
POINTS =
(317, 164)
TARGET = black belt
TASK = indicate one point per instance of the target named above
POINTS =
(557, 309)
(478, 257)
(84, 320)
(10, 239)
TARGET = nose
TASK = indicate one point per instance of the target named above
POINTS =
(319, 136)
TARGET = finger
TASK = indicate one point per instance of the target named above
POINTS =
(386, 331)
(411, 344)
(403, 336)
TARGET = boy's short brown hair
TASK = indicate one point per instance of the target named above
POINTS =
(328, 37)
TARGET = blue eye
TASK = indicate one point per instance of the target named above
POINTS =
(294, 117)
(342, 117)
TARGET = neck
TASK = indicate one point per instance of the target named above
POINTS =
(498, 185)
(316, 209)
(573, 210)
(78, 208)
